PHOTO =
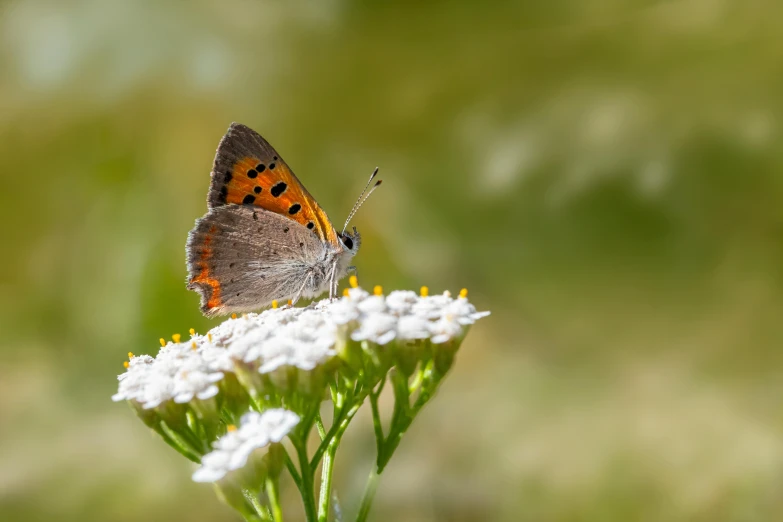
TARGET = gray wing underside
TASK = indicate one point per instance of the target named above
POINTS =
(241, 258)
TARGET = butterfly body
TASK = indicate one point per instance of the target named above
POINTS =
(264, 237)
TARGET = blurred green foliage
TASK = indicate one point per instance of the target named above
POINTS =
(604, 176)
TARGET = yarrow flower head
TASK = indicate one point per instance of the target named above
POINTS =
(227, 399)
(280, 341)
(257, 431)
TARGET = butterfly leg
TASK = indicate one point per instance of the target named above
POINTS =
(299, 293)
(333, 282)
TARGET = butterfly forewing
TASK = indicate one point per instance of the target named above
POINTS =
(248, 171)
(240, 258)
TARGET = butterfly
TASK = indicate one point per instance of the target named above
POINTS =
(264, 237)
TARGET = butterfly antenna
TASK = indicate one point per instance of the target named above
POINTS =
(362, 197)
(372, 177)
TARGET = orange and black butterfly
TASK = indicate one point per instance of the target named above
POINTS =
(264, 236)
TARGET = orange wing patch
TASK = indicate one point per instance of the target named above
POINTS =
(273, 187)
(204, 275)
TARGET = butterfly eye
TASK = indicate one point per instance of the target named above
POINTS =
(348, 242)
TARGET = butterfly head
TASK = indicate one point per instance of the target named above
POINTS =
(351, 241)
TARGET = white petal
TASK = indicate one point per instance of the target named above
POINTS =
(208, 474)
(208, 393)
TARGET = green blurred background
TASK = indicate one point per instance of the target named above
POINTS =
(604, 176)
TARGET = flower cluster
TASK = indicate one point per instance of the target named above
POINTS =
(290, 338)
(227, 399)
(257, 431)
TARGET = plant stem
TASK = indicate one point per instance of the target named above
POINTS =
(252, 499)
(308, 498)
(376, 422)
(319, 423)
(416, 380)
(327, 439)
(292, 470)
(273, 492)
(346, 406)
(369, 495)
(326, 480)
(178, 443)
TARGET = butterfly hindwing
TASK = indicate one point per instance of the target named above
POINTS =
(240, 258)
(248, 171)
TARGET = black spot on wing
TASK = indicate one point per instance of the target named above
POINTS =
(249, 199)
(293, 209)
(278, 189)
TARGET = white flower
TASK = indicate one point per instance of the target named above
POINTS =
(195, 383)
(373, 304)
(301, 338)
(304, 344)
(463, 311)
(178, 373)
(158, 389)
(445, 329)
(132, 382)
(232, 451)
(357, 294)
(287, 351)
(248, 348)
(343, 311)
(216, 358)
(431, 307)
(379, 328)
(401, 302)
(413, 327)
(232, 329)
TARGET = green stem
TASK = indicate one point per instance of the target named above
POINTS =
(341, 413)
(391, 443)
(376, 422)
(326, 480)
(308, 498)
(292, 470)
(327, 439)
(417, 380)
(260, 510)
(319, 423)
(180, 442)
(369, 495)
(182, 450)
(273, 492)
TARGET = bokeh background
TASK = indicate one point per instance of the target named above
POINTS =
(604, 176)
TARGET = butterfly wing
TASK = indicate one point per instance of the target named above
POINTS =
(248, 171)
(240, 258)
